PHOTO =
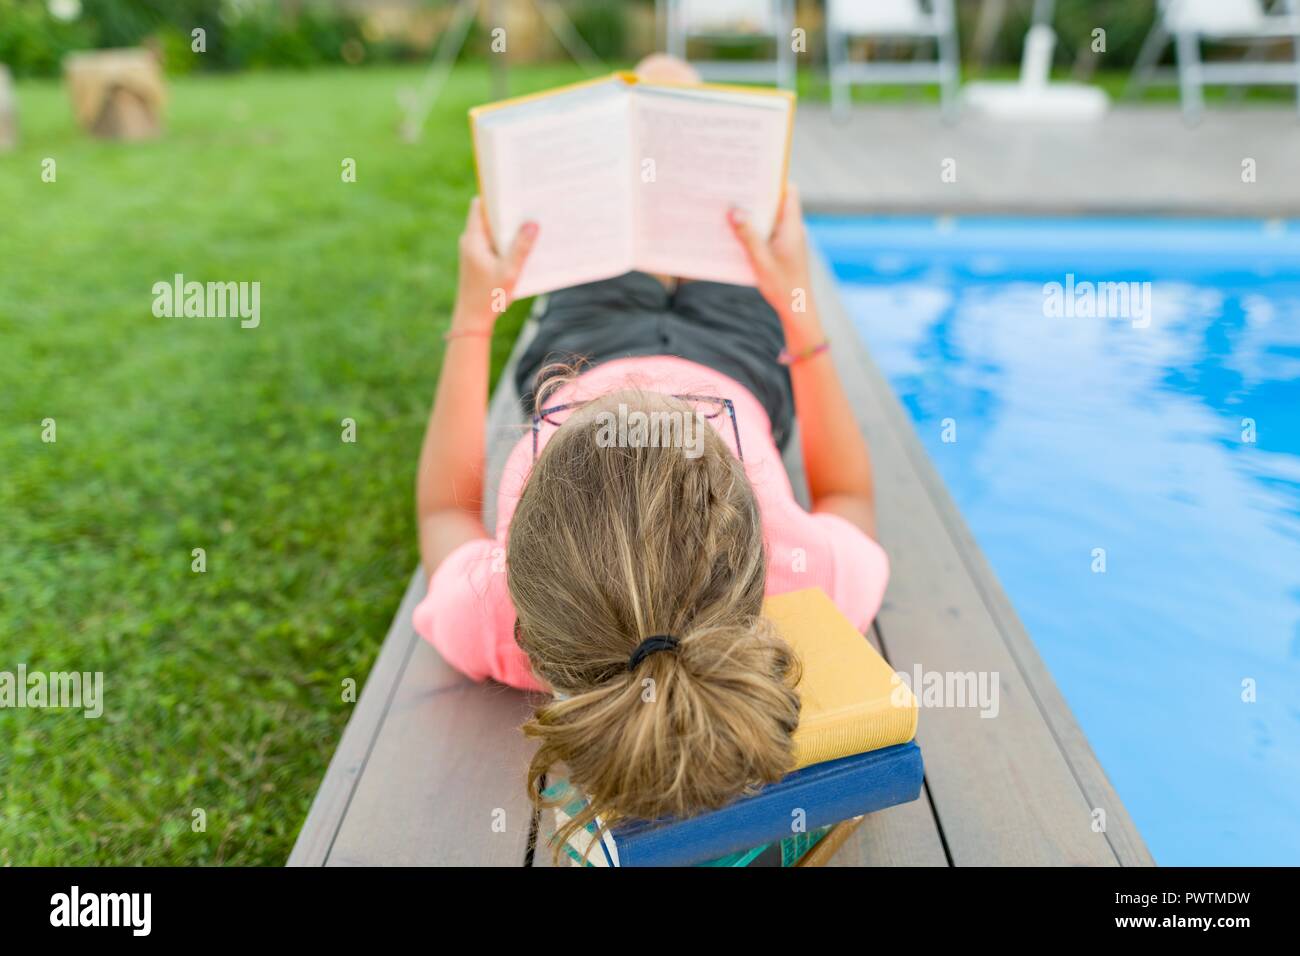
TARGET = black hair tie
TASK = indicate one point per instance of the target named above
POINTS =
(651, 645)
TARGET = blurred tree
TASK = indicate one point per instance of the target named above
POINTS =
(33, 42)
(603, 25)
(296, 33)
(238, 33)
(993, 31)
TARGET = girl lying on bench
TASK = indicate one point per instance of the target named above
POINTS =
(631, 555)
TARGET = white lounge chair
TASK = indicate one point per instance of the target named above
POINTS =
(1189, 22)
(730, 22)
(848, 20)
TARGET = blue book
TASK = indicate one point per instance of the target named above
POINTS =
(813, 797)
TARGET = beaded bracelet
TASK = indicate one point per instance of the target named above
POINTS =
(785, 358)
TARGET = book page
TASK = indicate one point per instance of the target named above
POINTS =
(562, 162)
(698, 153)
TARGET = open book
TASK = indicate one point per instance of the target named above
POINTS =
(623, 175)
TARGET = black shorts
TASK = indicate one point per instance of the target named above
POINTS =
(728, 328)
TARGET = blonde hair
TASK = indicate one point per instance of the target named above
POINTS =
(609, 546)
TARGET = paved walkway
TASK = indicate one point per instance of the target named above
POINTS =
(1138, 160)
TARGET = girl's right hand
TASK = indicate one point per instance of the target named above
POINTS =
(781, 268)
(487, 278)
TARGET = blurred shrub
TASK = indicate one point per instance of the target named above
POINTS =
(238, 33)
(176, 49)
(129, 22)
(1126, 23)
(603, 25)
(32, 42)
(305, 33)
(265, 35)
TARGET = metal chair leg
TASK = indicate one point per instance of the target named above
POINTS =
(1147, 58)
(837, 52)
(1190, 81)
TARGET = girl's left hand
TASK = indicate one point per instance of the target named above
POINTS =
(487, 279)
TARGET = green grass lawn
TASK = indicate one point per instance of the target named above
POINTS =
(223, 690)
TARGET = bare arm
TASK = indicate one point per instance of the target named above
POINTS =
(449, 483)
(836, 459)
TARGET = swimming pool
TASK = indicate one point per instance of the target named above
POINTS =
(1124, 397)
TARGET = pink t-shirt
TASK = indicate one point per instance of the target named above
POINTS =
(469, 617)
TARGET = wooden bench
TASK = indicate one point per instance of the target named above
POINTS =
(430, 769)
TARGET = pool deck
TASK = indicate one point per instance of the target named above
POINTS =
(1138, 160)
(430, 767)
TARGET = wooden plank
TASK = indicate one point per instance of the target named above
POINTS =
(444, 784)
(905, 835)
(331, 801)
(414, 699)
(823, 853)
(1016, 789)
(445, 780)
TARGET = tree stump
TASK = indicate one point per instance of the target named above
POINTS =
(116, 94)
(8, 111)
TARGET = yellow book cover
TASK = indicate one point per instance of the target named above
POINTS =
(851, 699)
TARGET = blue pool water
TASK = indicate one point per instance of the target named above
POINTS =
(1076, 433)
